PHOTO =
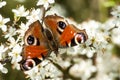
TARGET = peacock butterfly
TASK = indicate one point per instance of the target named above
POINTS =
(41, 41)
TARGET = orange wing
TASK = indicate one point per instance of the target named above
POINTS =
(35, 42)
(36, 47)
(64, 33)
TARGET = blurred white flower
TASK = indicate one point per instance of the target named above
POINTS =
(16, 54)
(3, 69)
(3, 21)
(116, 15)
(2, 50)
(45, 3)
(52, 71)
(116, 12)
(97, 39)
(57, 9)
(43, 70)
(108, 67)
(83, 70)
(116, 37)
(12, 42)
(20, 11)
(65, 64)
(72, 51)
(112, 30)
(35, 14)
(22, 30)
(36, 73)
(11, 32)
(2, 3)
(109, 24)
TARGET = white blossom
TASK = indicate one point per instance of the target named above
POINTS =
(11, 32)
(42, 70)
(34, 15)
(3, 21)
(116, 12)
(115, 36)
(107, 65)
(34, 74)
(116, 15)
(16, 54)
(84, 69)
(96, 38)
(45, 3)
(3, 69)
(57, 9)
(2, 3)
(22, 30)
(2, 51)
(12, 42)
(20, 11)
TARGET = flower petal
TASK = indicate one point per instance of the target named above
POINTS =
(4, 70)
(4, 28)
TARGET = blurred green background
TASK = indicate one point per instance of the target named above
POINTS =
(79, 10)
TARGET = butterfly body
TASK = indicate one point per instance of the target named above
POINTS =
(40, 42)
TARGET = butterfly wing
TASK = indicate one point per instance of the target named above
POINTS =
(40, 42)
(36, 47)
(64, 33)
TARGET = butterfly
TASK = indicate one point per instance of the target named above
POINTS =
(40, 41)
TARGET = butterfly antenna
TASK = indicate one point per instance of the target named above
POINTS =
(43, 14)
